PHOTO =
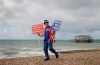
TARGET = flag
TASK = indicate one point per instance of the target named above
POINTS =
(38, 28)
(56, 25)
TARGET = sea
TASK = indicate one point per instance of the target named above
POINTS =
(26, 48)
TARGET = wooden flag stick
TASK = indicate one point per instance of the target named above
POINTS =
(39, 40)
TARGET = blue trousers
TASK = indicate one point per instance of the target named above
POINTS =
(50, 46)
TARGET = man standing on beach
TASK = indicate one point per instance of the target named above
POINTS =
(48, 40)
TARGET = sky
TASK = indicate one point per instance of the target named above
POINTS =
(79, 17)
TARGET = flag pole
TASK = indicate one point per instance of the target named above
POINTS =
(39, 40)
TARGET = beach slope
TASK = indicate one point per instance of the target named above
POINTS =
(89, 57)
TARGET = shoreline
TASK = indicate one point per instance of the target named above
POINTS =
(60, 52)
(78, 57)
(79, 51)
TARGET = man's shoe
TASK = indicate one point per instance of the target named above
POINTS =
(46, 59)
(57, 55)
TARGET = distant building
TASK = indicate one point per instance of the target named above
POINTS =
(83, 39)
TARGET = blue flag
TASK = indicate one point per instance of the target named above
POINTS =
(56, 25)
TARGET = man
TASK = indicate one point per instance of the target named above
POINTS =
(48, 40)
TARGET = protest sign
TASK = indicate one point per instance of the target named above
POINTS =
(38, 28)
(56, 25)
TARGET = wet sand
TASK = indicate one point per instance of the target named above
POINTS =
(89, 57)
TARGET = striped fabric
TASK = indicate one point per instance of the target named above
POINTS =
(51, 35)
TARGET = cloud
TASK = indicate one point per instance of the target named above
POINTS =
(78, 16)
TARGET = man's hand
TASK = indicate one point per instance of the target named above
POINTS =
(38, 34)
(41, 35)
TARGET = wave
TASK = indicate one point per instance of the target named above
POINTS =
(29, 51)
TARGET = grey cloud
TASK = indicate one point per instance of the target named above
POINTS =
(71, 4)
(77, 16)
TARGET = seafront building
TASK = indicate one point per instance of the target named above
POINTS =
(83, 39)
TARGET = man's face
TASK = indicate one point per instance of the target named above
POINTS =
(46, 24)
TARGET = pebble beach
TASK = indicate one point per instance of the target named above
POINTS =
(65, 58)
